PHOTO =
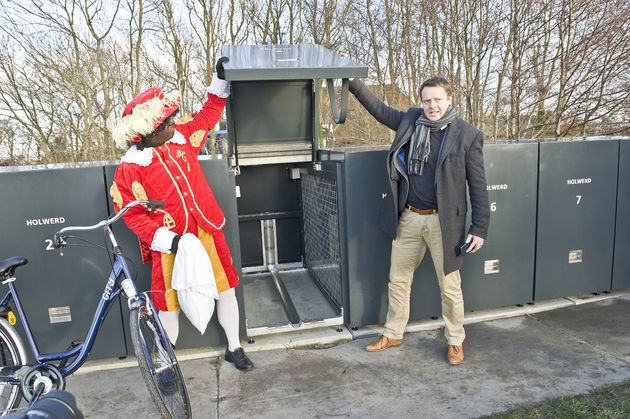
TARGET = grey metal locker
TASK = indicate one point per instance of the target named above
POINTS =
(268, 191)
(621, 264)
(59, 293)
(502, 272)
(366, 250)
(273, 135)
(273, 108)
(577, 191)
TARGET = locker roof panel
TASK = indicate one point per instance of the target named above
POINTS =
(288, 62)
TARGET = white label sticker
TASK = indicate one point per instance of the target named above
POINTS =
(575, 256)
(491, 266)
(59, 314)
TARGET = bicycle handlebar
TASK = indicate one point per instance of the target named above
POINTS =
(149, 205)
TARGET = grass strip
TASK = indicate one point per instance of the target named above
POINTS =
(607, 402)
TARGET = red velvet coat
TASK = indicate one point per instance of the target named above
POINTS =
(171, 173)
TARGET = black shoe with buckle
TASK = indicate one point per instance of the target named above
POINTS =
(239, 359)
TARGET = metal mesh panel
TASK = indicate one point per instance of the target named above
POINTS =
(321, 234)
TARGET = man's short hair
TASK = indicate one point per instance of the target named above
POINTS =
(436, 82)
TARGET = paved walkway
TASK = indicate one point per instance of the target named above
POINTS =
(513, 357)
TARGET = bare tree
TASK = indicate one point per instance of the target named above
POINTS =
(544, 61)
(325, 20)
(518, 67)
(238, 31)
(206, 22)
(55, 82)
(475, 28)
(523, 25)
(136, 26)
(12, 150)
(272, 21)
(170, 57)
(593, 50)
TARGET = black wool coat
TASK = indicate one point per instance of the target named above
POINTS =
(460, 162)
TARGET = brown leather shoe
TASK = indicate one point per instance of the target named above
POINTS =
(382, 343)
(455, 354)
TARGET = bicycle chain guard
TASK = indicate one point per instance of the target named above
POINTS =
(43, 374)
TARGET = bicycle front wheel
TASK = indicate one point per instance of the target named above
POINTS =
(11, 358)
(160, 371)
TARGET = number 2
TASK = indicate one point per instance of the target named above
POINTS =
(49, 244)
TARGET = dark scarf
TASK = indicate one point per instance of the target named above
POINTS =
(421, 139)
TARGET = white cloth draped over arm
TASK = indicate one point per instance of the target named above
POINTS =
(193, 279)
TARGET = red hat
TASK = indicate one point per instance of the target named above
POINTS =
(143, 115)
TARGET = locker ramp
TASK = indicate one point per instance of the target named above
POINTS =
(265, 307)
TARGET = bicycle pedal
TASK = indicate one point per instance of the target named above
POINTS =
(74, 344)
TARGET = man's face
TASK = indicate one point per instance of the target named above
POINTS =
(435, 102)
(163, 133)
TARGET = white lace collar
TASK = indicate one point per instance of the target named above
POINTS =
(145, 157)
(178, 138)
(140, 157)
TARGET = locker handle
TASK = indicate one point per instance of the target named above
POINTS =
(339, 114)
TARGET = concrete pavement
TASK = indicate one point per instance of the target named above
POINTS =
(514, 356)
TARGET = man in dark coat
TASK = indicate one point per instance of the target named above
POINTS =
(433, 156)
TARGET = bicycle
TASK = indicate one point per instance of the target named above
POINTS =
(154, 352)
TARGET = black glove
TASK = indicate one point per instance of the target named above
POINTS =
(175, 243)
(219, 67)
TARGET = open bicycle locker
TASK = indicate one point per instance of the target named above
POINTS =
(287, 206)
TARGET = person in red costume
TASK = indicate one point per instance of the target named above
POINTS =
(161, 164)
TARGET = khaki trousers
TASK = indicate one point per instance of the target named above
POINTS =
(414, 233)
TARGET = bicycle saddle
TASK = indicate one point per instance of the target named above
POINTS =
(7, 265)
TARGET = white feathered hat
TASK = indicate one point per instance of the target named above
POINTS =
(143, 115)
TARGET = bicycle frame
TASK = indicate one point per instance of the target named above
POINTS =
(120, 272)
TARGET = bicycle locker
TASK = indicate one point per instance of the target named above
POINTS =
(291, 241)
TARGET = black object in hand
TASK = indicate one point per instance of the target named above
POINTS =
(175, 243)
(463, 248)
(219, 67)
